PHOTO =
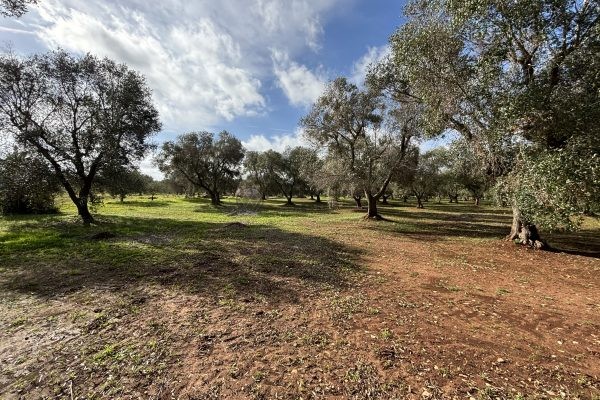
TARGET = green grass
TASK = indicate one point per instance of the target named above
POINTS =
(178, 241)
(171, 240)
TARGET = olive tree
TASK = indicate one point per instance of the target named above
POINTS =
(311, 169)
(121, 181)
(256, 167)
(27, 184)
(369, 138)
(209, 164)
(508, 72)
(80, 114)
(284, 170)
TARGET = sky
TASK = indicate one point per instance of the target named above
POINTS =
(252, 67)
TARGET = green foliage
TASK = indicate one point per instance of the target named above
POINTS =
(81, 114)
(121, 181)
(208, 164)
(503, 74)
(555, 187)
(27, 185)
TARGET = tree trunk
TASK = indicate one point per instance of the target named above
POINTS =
(419, 202)
(318, 197)
(84, 212)
(405, 199)
(358, 202)
(384, 200)
(122, 197)
(477, 201)
(289, 201)
(312, 197)
(372, 208)
(524, 232)
(214, 199)
(263, 197)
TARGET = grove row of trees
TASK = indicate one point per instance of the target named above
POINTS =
(517, 81)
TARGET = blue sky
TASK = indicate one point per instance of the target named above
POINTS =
(252, 67)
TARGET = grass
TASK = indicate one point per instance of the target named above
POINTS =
(299, 299)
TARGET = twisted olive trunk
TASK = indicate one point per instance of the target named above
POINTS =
(525, 232)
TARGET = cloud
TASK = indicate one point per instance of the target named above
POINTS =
(361, 66)
(206, 61)
(300, 85)
(147, 166)
(275, 142)
(194, 70)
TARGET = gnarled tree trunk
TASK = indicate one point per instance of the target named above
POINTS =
(358, 202)
(372, 207)
(84, 212)
(524, 232)
(318, 198)
(419, 202)
(214, 199)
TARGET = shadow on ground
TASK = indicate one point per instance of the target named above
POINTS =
(443, 221)
(213, 259)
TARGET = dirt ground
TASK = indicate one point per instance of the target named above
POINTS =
(356, 310)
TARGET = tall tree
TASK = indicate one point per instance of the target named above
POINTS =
(80, 113)
(505, 72)
(371, 140)
(209, 164)
(258, 172)
(311, 169)
(284, 169)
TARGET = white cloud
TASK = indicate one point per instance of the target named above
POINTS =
(147, 166)
(300, 85)
(371, 57)
(204, 60)
(275, 142)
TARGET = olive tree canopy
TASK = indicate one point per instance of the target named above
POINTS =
(80, 113)
(209, 164)
(512, 72)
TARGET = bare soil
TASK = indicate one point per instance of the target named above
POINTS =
(388, 314)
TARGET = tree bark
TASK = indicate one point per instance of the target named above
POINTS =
(358, 202)
(477, 201)
(372, 208)
(318, 198)
(289, 201)
(84, 212)
(384, 200)
(214, 199)
(419, 202)
(524, 232)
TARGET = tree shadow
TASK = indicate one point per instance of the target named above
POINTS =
(479, 223)
(222, 260)
(140, 203)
